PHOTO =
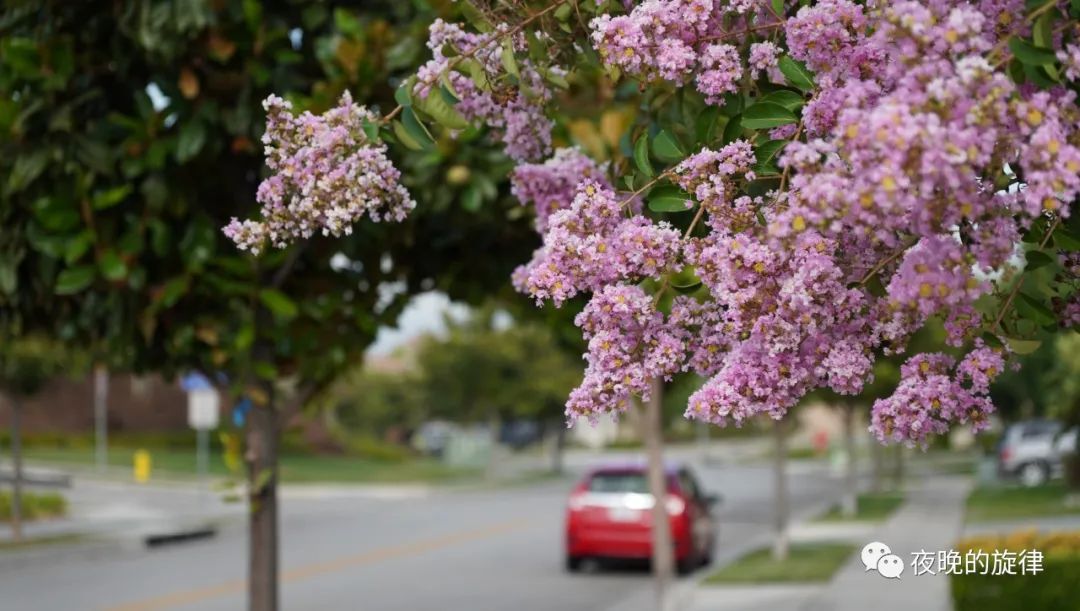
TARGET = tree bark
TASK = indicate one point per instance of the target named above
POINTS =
(17, 470)
(877, 472)
(560, 447)
(780, 525)
(101, 417)
(262, 460)
(663, 557)
(850, 503)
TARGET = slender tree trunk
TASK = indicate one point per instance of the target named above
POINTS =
(560, 447)
(101, 416)
(663, 557)
(780, 540)
(898, 468)
(17, 470)
(262, 459)
(849, 505)
(877, 471)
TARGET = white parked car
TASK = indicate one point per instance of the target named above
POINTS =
(1031, 451)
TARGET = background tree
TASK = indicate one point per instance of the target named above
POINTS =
(129, 135)
(27, 364)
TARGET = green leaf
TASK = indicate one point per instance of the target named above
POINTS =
(765, 115)
(77, 247)
(1034, 310)
(766, 154)
(509, 62)
(416, 128)
(1029, 54)
(74, 279)
(667, 148)
(438, 108)
(1023, 346)
(173, 290)
(796, 73)
(1066, 240)
(563, 12)
(405, 138)
(112, 266)
(778, 7)
(669, 199)
(111, 197)
(1042, 32)
(1037, 259)
(403, 94)
(733, 129)
(641, 156)
(705, 125)
(784, 97)
(280, 304)
(190, 141)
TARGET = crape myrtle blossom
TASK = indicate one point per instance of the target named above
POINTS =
(592, 244)
(326, 174)
(550, 186)
(678, 41)
(891, 212)
(630, 343)
(933, 395)
(515, 115)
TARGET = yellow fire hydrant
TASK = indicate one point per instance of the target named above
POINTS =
(142, 466)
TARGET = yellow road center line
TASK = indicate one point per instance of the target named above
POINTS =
(196, 595)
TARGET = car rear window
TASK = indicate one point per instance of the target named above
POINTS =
(622, 481)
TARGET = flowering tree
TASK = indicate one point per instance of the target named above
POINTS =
(804, 186)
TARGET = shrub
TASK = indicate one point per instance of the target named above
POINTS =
(1056, 588)
(368, 447)
(35, 506)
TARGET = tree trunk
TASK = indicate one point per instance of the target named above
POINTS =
(877, 473)
(101, 417)
(17, 471)
(898, 468)
(262, 459)
(663, 557)
(560, 447)
(850, 504)
(780, 540)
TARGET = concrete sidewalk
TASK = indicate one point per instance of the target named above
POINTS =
(931, 519)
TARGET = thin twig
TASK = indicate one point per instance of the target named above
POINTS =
(472, 52)
(1020, 280)
(887, 260)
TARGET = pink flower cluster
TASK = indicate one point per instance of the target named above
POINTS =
(515, 114)
(593, 244)
(325, 175)
(676, 40)
(550, 186)
(629, 344)
(933, 396)
(892, 213)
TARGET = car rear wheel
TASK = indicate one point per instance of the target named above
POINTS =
(1034, 474)
(573, 563)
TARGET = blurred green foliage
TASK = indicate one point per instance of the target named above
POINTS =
(129, 134)
(34, 505)
(479, 371)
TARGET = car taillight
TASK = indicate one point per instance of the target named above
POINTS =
(675, 505)
(576, 502)
(1006, 454)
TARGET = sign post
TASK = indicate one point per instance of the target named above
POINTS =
(203, 415)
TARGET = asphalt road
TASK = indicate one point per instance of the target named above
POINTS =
(496, 549)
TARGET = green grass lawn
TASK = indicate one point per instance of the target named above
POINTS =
(1011, 502)
(294, 467)
(870, 507)
(7, 545)
(807, 562)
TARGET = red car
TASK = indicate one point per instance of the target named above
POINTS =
(609, 516)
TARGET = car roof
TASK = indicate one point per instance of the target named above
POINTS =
(632, 466)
